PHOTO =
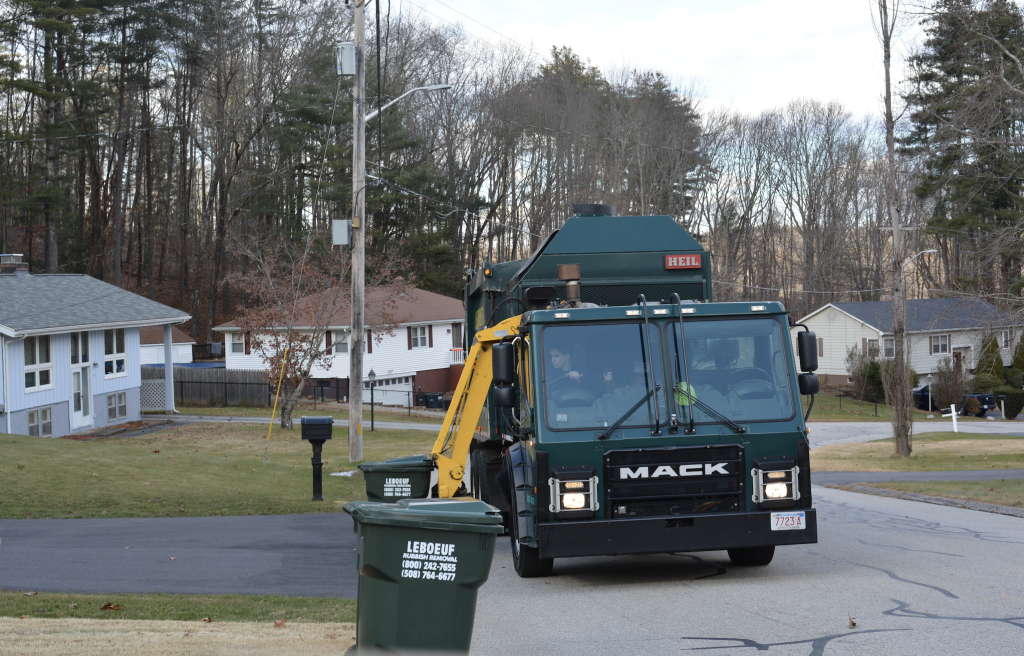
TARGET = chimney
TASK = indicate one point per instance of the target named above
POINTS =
(10, 263)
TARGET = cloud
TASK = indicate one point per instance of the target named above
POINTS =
(749, 55)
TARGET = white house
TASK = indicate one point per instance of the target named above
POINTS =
(937, 328)
(423, 353)
(151, 345)
(69, 351)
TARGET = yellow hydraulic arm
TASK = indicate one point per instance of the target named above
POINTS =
(452, 446)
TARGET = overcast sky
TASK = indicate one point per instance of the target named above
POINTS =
(746, 54)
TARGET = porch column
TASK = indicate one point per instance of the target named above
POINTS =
(168, 371)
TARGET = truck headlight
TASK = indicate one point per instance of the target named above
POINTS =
(574, 501)
(775, 482)
(573, 492)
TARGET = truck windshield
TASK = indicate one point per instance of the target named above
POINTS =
(738, 367)
(594, 373)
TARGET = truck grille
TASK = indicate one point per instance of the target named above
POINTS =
(674, 480)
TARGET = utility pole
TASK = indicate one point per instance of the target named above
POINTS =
(357, 339)
(899, 413)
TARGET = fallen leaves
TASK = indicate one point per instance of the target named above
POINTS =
(207, 619)
(31, 594)
(22, 617)
(853, 623)
(280, 624)
(156, 450)
(95, 474)
(111, 607)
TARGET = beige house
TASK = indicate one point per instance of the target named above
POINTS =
(937, 328)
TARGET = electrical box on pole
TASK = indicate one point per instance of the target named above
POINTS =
(341, 230)
(345, 54)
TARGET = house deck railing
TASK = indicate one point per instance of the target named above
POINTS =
(458, 356)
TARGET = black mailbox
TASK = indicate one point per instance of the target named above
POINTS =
(317, 430)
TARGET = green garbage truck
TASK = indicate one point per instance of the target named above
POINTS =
(609, 406)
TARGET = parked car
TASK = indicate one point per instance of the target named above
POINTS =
(986, 402)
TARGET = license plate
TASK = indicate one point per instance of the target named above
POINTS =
(789, 521)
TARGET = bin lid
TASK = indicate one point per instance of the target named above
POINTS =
(459, 514)
(317, 420)
(420, 463)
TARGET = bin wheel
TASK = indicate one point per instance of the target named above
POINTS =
(752, 556)
(527, 560)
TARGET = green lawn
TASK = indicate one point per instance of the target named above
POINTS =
(218, 608)
(827, 408)
(1001, 492)
(942, 451)
(196, 470)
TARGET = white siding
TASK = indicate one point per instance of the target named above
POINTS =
(154, 353)
(390, 357)
(839, 332)
(60, 356)
(102, 385)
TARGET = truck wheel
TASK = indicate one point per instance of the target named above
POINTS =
(527, 560)
(752, 556)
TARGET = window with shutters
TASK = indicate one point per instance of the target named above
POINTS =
(872, 348)
(237, 345)
(418, 336)
(889, 346)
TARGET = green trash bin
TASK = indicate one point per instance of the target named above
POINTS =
(421, 562)
(398, 478)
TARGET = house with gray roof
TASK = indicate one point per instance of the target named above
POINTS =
(937, 328)
(69, 351)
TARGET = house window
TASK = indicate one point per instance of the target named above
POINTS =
(39, 423)
(79, 348)
(341, 342)
(237, 345)
(1004, 339)
(889, 344)
(38, 363)
(114, 362)
(117, 406)
(872, 348)
(419, 336)
(940, 344)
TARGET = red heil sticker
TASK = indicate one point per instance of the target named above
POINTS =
(682, 261)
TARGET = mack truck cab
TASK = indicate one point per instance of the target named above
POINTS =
(641, 424)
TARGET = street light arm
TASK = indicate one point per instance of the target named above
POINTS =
(433, 87)
(930, 250)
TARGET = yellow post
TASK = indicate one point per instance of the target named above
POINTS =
(273, 412)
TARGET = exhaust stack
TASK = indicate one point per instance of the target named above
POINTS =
(570, 275)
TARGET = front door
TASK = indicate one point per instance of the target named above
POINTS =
(958, 359)
(81, 408)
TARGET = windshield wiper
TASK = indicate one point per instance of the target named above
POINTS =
(629, 413)
(711, 411)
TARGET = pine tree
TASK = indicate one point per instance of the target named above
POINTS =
(990, 362)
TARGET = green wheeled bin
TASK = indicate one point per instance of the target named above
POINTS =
(398, 478)
(421, 562)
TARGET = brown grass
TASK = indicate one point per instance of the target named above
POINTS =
(931, 452)
(75, 637)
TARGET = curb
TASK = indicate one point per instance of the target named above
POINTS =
(939, 501)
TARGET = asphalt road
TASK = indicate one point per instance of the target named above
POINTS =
(917, 579)
(296, 555)
(825, 433)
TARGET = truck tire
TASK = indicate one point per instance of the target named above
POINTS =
(526, 560)
(752, 556)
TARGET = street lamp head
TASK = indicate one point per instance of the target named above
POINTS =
(372, 376)
(438, 87)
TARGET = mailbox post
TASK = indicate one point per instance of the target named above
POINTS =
(317, 430)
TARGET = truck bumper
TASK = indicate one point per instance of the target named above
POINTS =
(709, 532)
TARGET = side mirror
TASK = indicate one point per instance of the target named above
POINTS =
(808, 383)
(504, 397)
(807, 347)
(503, 364)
